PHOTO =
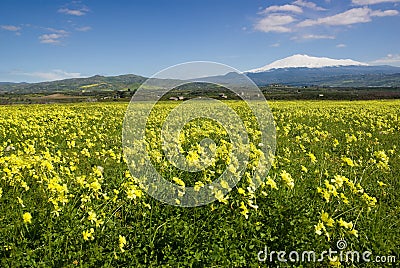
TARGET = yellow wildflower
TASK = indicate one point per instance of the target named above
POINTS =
(219, 195)
(348, 225)
(381, 183)
(325, 218)
(334, 261)
(312, 158)
(244, 209)
(27, 217)
(198, 185)
(287, 178)
(371, 201)
(353, 232)
(122, 243)
(344, 198)
(88, 234)
(335, 143)
(92, 216)
(224, 184)
(178, 181)
(304, 169)
(319, 228)
(348, 161)
(241, 191)
(20, 201)
(271, 183)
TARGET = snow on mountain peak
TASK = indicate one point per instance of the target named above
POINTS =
(306, 61)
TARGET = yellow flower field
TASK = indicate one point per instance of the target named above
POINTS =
(68, 198)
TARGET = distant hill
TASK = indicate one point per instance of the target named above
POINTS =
(90, 84)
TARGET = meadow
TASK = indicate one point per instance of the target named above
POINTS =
(68, 198)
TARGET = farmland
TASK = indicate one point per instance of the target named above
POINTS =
(68, 198)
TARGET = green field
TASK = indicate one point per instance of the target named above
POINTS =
(68, 199)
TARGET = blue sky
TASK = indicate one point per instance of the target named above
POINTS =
(52, 39)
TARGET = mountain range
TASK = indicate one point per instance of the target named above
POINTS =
(296, 70)
(304, 70)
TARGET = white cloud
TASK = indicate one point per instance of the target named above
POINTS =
(53, 38)
(390, 59)
(74, 12)
(274, 23)
(372, 2)
(352, 16)
(11, 28)
(315, 36)
(355, 15)
(50, 38)
(290, 18)
(341, 45)
(307, 4)
(287, 8)
(84, 29)
(275, 45)
(380, 13)
(53, 75)
(58, 31)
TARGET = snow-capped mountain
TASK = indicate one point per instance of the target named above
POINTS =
(304, 70)
(305, 61)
